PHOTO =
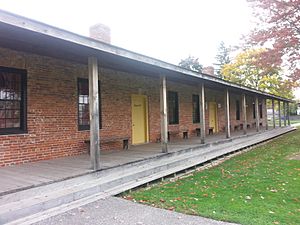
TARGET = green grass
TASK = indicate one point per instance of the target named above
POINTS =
(295, 121)
(270, 122)
(261, 186)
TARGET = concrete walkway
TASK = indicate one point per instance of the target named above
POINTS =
(117, 211)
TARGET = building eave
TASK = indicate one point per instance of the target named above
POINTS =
(17, 21)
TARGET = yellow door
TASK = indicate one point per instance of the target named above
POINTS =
(139, 110)
(212, 106)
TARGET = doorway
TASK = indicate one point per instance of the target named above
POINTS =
(139, 109)
(213, 119)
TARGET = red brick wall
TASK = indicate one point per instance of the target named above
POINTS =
(52, 108)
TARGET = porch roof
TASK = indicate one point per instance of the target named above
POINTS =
(23, 34)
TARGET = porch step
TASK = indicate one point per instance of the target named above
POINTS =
(35, 203)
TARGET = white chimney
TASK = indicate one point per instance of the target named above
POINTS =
(100, 32)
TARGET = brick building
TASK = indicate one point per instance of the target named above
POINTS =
(45, 108)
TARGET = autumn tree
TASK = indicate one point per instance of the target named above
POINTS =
(279, 30)
(249, 69)
(222, 58)
(191, 63)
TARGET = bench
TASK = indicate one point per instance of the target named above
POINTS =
(124, 139)
(241, 126)
(198, 131)
(185, 134)
(210, 130)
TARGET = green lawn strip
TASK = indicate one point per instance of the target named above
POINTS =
(261, 186)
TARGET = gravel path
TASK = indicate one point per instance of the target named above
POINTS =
(117, 211)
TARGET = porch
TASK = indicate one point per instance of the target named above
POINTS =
(25, 176)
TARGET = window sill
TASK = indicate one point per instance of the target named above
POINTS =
(13, 132)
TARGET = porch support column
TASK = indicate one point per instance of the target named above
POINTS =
(227, 113)
(273, 114)
(266, 114)
(284, 113)
(202, 113)
(244, 109)
(163, 114)
(257, 113)
(288, 114)
(279, 113)
(94, 113)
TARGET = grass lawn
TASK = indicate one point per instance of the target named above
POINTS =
(295, 121)
(261, 186)
(270, 122)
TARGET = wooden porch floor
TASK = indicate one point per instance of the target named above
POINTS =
(29, 175)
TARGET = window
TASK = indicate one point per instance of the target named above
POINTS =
(237, 110)
(254, 110)
(196, 115)
(12, 101)
(173, 107)
(83, 105)
(260, 111)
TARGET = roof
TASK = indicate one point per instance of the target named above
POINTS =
(20, 33)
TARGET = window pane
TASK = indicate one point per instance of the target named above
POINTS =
(2, 123)
(16, 123)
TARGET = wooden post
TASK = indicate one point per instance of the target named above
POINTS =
(163, 114)
(273, 113)
(244, 109)
(266, 114)
(202, 113)
(288, 114)
(284, 113)
(94, 113)
(279, 113)
(227, 113)
(257, 113)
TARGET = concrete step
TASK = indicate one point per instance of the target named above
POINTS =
(116, 180)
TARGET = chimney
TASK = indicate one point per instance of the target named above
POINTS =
(209, 70)
(100, 32)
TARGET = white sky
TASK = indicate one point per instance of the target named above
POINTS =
(169, 30)
(166, 29)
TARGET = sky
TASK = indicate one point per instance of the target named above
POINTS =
(169, 30)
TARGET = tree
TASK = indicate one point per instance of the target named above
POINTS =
(249, 69)
(222, 58)
(280, 28)
(191, 63)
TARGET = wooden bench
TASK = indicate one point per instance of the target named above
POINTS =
(124, 139)
(241, 126)
(198, 131)
(236, 127)
(185, 134)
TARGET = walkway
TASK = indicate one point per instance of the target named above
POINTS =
(122, 212)
(34, 174)
(46, 200)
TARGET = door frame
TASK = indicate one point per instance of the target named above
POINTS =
(216, 115)
(145, 97)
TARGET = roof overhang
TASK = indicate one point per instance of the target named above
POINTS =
(23, 34)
